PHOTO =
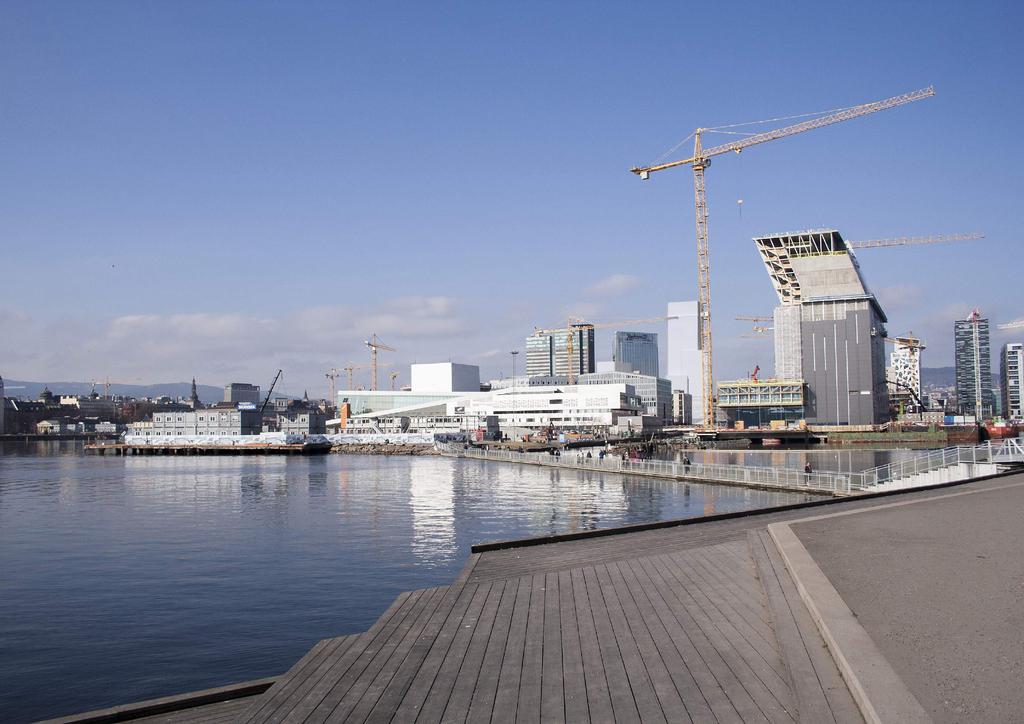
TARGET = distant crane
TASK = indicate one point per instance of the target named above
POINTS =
(574, 325)
(1015, 324)
(332, 374)
(752, 318)
(699, 161)
(913, 240)
(393, 376)
(266, 400)
(375, 346)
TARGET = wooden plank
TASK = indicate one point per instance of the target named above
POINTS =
(668, 696)
(761, 681)
(640, 678)
(724, 676)
(404, 694)
(440, 690)
(465, 684)
(829, 681)
(320, 685)
(745, 612)
(695, 701)
(482, 702)
(624, 706)
(356, 688)
(552, 700)
(507, 698)
(736, 579)
(599, 702)
(528, 706)
(734, 623)
(574, 685)
(303, 678)
(812, 706)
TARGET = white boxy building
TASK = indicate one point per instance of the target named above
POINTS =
(444, 377)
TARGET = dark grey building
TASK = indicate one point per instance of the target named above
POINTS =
(638, 350)
(829, 328)
(242, 392)
(973, 366)
(546, 352)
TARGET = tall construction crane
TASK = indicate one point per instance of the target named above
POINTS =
(375, 346)
(575, 325)
(913, 240)
(331, 375)
(753, 318)
(699, 161)
(1015, 324)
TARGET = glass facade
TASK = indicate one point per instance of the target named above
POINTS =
(973, 366)
(639, 350)
(546, 352)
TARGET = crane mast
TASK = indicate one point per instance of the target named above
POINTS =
(698, 162)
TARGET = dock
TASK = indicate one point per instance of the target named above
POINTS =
(255, 448)
(728, 619)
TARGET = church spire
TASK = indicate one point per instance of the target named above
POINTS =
(193, 398)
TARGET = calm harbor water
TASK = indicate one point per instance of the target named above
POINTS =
(129, 578)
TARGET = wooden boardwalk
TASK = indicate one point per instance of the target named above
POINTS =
(663, 628)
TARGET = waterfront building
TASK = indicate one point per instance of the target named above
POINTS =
(683, 356)
(655, 393)
(444, 377)
(904, 373)
(973, 358)
(240, 392)
(762, 403)
(682, 408)
(1011, 376)
(88, 406)
(302, 419)
(638, 351)
(547, 352)
(214, 421)
(829, 328)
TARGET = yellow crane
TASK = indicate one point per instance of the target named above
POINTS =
(699, 161)
(574, 325)
(375, 346)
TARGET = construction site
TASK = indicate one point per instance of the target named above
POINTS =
(834, 376)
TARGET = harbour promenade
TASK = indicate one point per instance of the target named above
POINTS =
(899, 607)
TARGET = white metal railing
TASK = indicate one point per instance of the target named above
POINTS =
(1006, 451)
(781, 478)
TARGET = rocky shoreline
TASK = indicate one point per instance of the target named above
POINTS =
(385, 449)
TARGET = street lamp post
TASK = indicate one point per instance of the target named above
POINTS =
(515, 352)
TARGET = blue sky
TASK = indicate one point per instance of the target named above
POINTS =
(220, 189)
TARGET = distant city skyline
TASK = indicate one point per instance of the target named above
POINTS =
(452, 180)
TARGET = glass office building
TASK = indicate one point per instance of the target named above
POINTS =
(637, 350)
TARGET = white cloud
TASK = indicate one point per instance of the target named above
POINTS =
(219, 348)
(612, 285)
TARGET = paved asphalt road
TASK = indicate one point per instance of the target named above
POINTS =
(939, 586)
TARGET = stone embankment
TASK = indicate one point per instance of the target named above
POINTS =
(377, 448)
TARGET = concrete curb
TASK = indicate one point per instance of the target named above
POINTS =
(876, 687)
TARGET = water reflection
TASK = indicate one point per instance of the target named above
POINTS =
(188, 572)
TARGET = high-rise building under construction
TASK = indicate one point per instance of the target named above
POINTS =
(829, 329)
(546, 352)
